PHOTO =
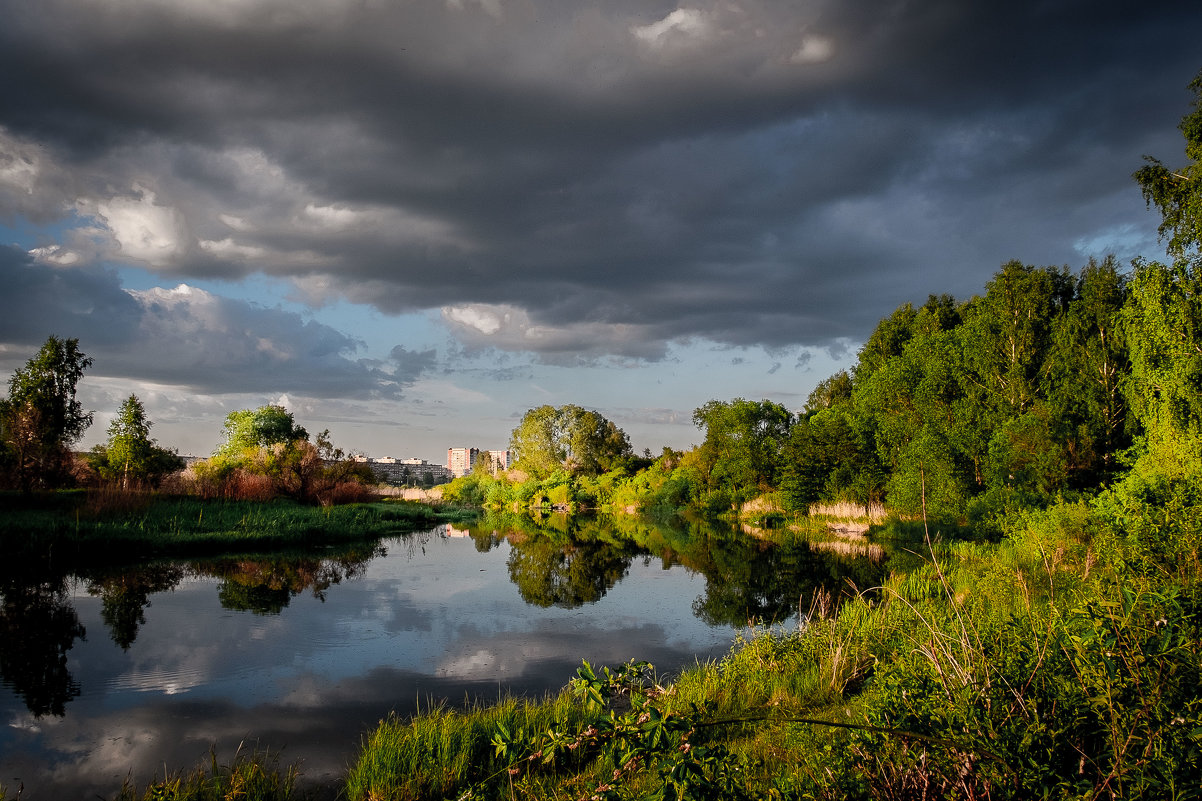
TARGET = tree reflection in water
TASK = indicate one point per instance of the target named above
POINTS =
(39, 623)
(565, 572)
(38, 626)
(751, 581)
(566, 562)
(125, 595)
(556, 562)
(265, 586)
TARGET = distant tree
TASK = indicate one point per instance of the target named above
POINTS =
(1008, 335)
(886, 342)
(537, 441)
(131, 457)
(825, 458)
(921, 413)
(742, 447)
(41, 418)
(326, 448)
(1084, 371)
(830, 392)
(335, 465)
(1177, 193)
(254, 428)
(579, 440)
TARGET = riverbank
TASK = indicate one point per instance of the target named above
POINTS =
(85, 525)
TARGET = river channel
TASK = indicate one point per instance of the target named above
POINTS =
(110, 673)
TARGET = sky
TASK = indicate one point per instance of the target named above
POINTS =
(410, 221)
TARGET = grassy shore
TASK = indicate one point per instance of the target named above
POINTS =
(67, 526)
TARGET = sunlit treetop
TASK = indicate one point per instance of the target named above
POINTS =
(1177, 193)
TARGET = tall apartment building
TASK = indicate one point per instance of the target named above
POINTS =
(460, 461)
(500, 460)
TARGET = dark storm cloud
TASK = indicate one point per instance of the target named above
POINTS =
(186, 336)
(412, 363)
(586, 181)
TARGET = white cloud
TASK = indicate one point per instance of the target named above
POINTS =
(486, 319)
(56, 255)
(396, 224)
(268, 13)
(144, 230)
(19, 164)
(237, 223)
(229, 249)
(687, 23)
(336, 217)
(511, 328)
(813, 50)
(490, 7)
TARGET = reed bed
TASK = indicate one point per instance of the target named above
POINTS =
(845, 510)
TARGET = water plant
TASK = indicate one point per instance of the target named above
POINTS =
(250, 776)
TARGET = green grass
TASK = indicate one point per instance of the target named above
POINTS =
(255, 776)
(442, 752)
(77, 525)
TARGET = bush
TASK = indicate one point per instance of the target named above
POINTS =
(1103, 701)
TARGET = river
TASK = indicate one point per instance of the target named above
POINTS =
(111, 672)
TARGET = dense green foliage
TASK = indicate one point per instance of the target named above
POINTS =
(580, 441)
(742, 447)
(247, 429)
(41, 418)
(1176, 192)
(1038, 388)
(1035, 389)
(130, 457)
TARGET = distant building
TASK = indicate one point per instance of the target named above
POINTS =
(499, 460)
(405, 472)
(460, 461)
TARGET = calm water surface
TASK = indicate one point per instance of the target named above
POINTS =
(109, 674)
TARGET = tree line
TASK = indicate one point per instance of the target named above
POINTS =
(1049, 383)
(263, 453)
